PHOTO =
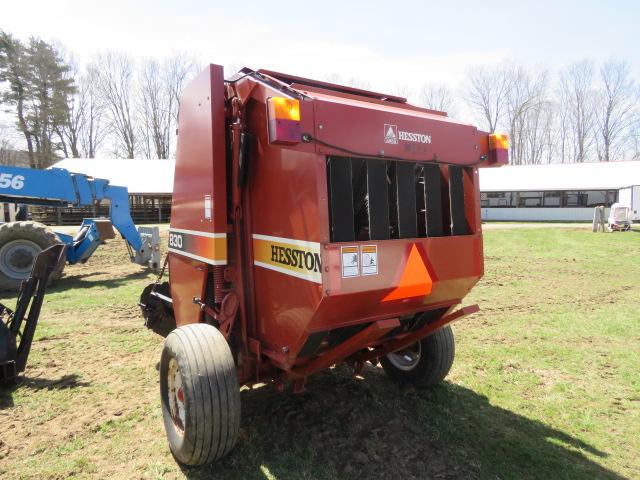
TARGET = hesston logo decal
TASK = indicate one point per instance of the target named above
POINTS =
(297, 258)
(393, 135)
(292, 257)
(390, 133)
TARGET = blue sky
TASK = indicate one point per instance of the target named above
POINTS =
(387, 43)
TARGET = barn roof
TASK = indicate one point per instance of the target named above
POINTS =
(139, 176)
(156, 176)
(564, 176)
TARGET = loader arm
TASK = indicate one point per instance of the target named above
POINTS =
(121, 216)
(61, 188)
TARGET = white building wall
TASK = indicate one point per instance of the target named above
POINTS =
(539, 214)
(631, 196)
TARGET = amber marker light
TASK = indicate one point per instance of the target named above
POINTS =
(498, 141)
(499, 148)
(284, 120)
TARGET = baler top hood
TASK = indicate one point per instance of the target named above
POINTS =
(345, 117)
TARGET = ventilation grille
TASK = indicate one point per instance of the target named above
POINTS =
(383, 199)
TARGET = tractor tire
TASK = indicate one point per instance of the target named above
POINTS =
(426, 362)
(20, 243)
(200, 394)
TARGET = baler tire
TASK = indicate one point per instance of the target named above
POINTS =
(35, 233)
(437, 352)
(210, 397)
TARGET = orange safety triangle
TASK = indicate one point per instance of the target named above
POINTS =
(415, 280)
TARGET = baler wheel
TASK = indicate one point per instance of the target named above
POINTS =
(426, 362)
(20, 244)
(200, 394)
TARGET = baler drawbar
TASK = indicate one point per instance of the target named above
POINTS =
(312, 224)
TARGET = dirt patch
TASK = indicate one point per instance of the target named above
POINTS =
(88, 406)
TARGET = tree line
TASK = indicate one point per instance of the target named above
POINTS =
(585, 112)
(114, 104)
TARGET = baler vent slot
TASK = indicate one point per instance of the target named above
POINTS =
(456, 198)
(384, 199)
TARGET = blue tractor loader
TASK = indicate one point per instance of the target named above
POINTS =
(21, 241)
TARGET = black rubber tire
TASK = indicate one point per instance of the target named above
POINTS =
(211, 394)
(436, 358)
(34, 232)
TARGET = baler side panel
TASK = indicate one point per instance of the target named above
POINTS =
(197, 236)
(287, 231)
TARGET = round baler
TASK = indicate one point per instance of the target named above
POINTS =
(312, 224)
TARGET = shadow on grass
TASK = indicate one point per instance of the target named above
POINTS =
(37, 383)
(371, 428)
(84, 280)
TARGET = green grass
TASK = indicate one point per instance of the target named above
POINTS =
(545, 385)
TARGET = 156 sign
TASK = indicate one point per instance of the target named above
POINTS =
(9, 180)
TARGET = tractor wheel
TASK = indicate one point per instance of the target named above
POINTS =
(426, 362)
(20, 243)
(200, 394)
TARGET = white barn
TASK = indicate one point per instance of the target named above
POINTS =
(150, 185)
(554, 192)
(140, 176)
(557, 192)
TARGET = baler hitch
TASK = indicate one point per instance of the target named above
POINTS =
(17, 327)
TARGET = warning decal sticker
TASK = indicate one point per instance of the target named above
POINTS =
(350, 261)
(369, 260)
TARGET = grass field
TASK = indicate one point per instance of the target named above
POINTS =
(546, 383)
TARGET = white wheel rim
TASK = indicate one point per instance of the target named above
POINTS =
(17, 257)
(406, 359)
(176, 397)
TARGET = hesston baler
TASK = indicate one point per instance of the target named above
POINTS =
(312, 224)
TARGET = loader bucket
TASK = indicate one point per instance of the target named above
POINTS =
(17, 327)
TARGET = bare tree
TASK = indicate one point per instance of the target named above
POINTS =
(178, 69)
(68, 130)
(538, 135)
(563, 128)
(614, 111)
(9, 154)
(6, 148)
(93, 125)
(486, 91)
(577, 100)
(160, 88)
(437, 96)
(634, 138)
(155, 105)
(523, 105)
(115, 80)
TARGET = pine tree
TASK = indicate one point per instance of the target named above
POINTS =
(39, 89)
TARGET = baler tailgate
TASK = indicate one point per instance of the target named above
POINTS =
(388, 199)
